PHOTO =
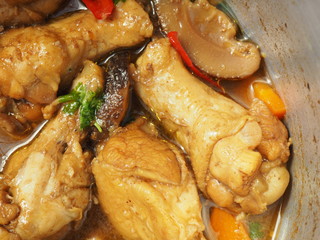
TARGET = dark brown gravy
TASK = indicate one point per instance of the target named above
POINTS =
(96, 226)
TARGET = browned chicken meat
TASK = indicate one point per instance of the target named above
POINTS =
(145, 187)
(35, 60)
(238, 156)
(46, 186)
(17, 12)
(17, 118)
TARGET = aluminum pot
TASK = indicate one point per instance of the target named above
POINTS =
(288, 32)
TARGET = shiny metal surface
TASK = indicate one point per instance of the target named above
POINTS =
(288, 32)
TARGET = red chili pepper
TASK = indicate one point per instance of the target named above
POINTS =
(174, 40)
(101, 9)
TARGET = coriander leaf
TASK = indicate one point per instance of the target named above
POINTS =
(97, 125)
(84, 100)
(67, 98)
(71, 107)
(256, 231)
(117, 1)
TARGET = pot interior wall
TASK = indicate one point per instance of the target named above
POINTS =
(288, 33)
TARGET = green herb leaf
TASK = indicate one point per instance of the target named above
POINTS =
(97, 125)
(71, 107)
(256, 231)
(117, 1)
(67, 98)
(84, 100)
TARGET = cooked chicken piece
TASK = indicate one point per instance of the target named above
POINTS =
(17, 12)
(49, 179)
(145, 187)
(5, 235)
(274, 145)
(8, 211)
(18, 117)
(35, 60)
(221, 137)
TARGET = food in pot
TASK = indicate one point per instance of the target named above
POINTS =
(49, 180)
(208, 36)
(145, 187)
(237, 154)
(228, 145)
(49, 56)
(30, 52)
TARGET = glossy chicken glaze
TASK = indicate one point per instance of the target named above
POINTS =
(49, 180)
(145, 187)
(66, 43)
(220, 136)
(20, 12)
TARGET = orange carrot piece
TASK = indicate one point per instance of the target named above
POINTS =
(269, 96)
(226, 226)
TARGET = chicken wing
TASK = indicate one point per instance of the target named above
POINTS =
(49, 180)
(17, 12)
(145, 187)
(223, 140)
(35, 60)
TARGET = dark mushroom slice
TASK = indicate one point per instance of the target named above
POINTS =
(208, 36)
(116, 93)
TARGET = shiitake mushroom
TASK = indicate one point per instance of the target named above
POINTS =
(208, 36)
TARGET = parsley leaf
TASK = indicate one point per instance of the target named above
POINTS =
(256, 231)
(86, 101)
(117, 1)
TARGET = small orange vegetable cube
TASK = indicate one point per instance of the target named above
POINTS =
(226, 226)
(269, 96)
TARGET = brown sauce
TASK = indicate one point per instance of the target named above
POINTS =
(242, 91)
(96, 226)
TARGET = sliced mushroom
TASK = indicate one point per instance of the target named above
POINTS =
(208, 36)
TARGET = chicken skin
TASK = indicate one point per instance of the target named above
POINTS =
(49, 180)
(227, 144)
(145, 187)
(36, 60)
(18, 12)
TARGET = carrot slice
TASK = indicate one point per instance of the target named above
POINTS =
(269, 96)
(226, 226)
